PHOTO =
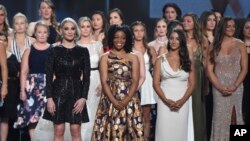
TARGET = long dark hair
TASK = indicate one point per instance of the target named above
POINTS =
(176, 8)
(241, 34)
(203, 21)
(111, 34)
(185, 61)
(219, 35)
(119, 12)
(104, 21)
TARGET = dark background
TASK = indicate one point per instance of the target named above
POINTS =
(132, 9)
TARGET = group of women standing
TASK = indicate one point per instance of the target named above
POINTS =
(107, 76)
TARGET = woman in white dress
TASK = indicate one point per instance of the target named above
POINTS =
(174, 82)
(95, 51)
(146, 90)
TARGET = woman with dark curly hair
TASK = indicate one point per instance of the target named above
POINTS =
(173, 81)
(119, 115)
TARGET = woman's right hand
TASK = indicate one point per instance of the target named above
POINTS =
(118, 105)
(170, 103)
(23, 95)
(51, 106)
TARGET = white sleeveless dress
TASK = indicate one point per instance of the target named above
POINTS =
(148, 96)
(173, 126)
(95, 48)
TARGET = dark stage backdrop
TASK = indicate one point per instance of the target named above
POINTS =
(145, 10)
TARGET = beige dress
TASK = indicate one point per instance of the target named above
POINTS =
(227, 69)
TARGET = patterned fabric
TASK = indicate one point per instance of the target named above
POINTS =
(30, 110)
(111, 124)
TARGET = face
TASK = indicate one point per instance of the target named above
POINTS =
(20, 25)
(45, 10)
(85, 28)
(174, 41)
(69, 31)
(161, 28)
(188, 23)
(114, 18)
(211, 22)
(230, 29)
(139, 32)
(170, 13)
(97, 21)
(218, 16)
(41, 34)
(246, 30)
(119, 40)
(2, 17)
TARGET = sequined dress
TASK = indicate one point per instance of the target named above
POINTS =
(67, 65)
(111, 124)
(227, 69)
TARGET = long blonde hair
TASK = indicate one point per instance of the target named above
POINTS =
(6, 26)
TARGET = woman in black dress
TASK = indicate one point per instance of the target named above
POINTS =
(67, 93)
(8, 102)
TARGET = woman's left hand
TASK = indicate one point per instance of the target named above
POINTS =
(78, 106)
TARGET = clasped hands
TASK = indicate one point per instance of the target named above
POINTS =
(174, 105)
(120, 104)
(226, 91)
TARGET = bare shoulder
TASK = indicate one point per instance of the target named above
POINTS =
(104, 55)
(132, 57)
(32, 39)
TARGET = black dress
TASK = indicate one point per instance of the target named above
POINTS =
(9, 109)
(246, 96)
(68, 65)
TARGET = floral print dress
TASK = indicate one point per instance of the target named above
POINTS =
(110, 123)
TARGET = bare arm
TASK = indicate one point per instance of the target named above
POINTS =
(142, 69)
(4, 71)
(24, 73)
(244, 68)
(191, 83)
(211, 75)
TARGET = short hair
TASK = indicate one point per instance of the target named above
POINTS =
(173, 5)
(124, 28)
(68, 19)
(41, 23)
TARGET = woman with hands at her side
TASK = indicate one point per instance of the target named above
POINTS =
(119, 114)
(174, 82)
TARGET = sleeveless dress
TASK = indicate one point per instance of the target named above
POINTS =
(227, 69)
(111, 124)
(95, 48)
(10, 102)
(198, 99)
(246, 96)
(31, 110)
(148, 95)
(173, 126)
